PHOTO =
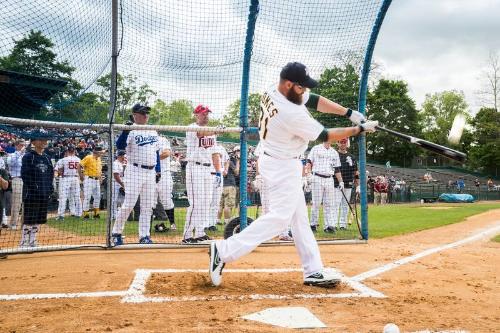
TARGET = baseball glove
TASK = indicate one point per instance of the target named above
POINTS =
(121, 191)
(158, 177)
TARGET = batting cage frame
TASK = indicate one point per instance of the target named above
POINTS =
(101, 235)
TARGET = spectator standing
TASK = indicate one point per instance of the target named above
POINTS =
(231, 172)
(380, 191)
(15, 164)
(37, 174)
(490, 184)
(92, 171)
(460, 185)
(5, 182)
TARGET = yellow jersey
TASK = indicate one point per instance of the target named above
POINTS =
(91, 166)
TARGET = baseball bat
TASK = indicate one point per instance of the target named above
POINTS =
(434, 147)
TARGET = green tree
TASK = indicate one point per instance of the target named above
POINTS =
(438, 112)
(484, 153)
(178, 112)
(390, 104)
(129, 92)
(232, 116)
(341, 85)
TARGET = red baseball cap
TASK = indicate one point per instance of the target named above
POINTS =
(344, 140)
(201, 109)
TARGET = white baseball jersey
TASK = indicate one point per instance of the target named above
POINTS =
(324, 160)
(70, 166)
(119, 168)
(142, 146)
(197, 148)
(224, 157)
(285, 128)
(164, 145)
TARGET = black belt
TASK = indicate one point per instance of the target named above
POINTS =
(322, 176)
(214, 173)
(148, 167)
(204, 164)
(293, 158)
(96, 178)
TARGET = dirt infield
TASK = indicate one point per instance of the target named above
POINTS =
(452, 289)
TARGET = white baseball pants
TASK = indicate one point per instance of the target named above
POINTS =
(322, 191)
(69, 190)
(215, 202)
(16, 200)
(117, 201)
(199, 191)
(341, 208)
(287, 205)
(138, 182)
(164, 188)
(91, 188)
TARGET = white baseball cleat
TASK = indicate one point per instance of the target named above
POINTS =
(216, 265)
(322, 279)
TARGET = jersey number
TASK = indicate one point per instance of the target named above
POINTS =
(73, 165)
(263, 120)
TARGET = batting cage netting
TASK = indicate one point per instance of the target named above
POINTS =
(136, 122)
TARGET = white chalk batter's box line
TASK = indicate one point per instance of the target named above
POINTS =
(138, 287)
(135, 293)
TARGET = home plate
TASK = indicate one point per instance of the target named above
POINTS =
(289, 317)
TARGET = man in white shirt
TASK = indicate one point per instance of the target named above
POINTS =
(14, 161)
(69, 171)
(118, 185)
(325, 163)
(141, 175)
(286, 127)
(165, 186)
(199, 181)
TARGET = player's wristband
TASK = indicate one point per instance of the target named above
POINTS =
(348, 113)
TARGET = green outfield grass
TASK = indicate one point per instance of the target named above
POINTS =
(384, 221)
(496, 239)
(391, 220)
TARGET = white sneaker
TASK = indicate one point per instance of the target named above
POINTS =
(322, 279)
(216, 265)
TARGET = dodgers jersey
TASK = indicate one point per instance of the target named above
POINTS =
(324, 160)
(142, 146)
(198, 148)
(69, 165)
(285, 128)
(164, 163)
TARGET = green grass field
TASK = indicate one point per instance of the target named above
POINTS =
(496, 239)
(384, 221)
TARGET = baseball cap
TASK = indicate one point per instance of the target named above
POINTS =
(344, 140)
(39, 134)
(120, 152)
(201, 109)
(298, 73)
(139, 108)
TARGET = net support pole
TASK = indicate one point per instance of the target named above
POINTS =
(252, 18)
(363, 88)
(111, 116)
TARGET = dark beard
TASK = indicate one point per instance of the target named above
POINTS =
(294, 97)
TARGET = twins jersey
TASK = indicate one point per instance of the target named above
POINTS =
(164, 163)
(224, 157)
(198, 148)
(142, 146)
(324, 160)
(285, 128)
(69, 166)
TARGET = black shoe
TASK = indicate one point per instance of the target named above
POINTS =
(342, 228)
(212, 228)
(329, 230)
(202, 239)
(314, 228)
(189, 241)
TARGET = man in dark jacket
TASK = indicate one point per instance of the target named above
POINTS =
(37, 173)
